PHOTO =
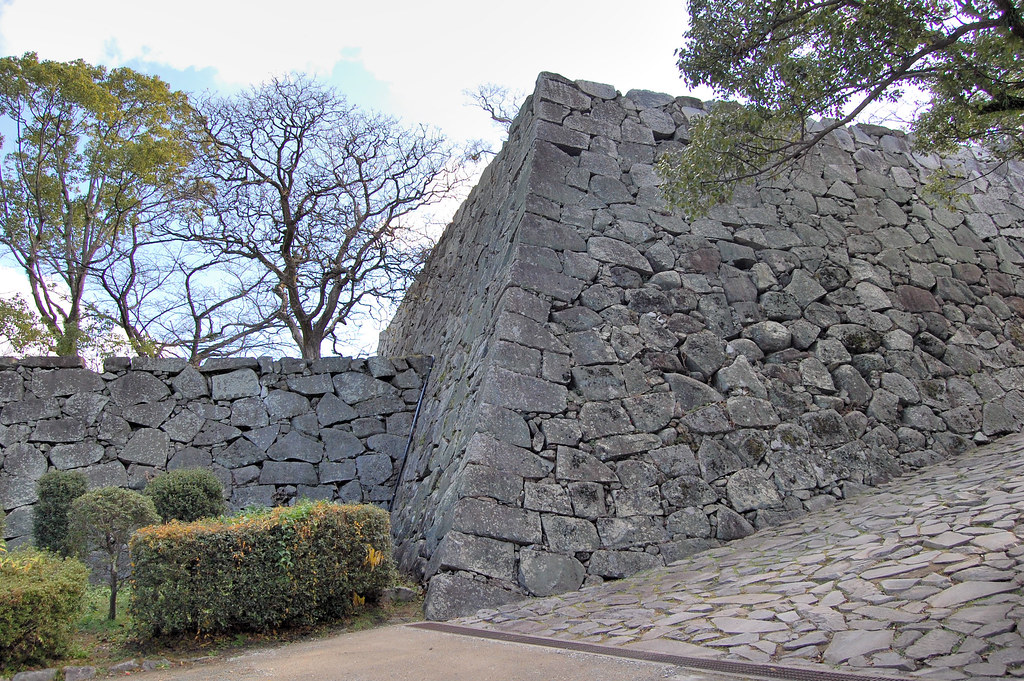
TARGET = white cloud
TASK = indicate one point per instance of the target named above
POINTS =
(426, 53)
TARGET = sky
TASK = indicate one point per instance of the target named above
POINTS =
(411, 60)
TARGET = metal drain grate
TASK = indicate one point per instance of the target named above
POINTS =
(772, 671)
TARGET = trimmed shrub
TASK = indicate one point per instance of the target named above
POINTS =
(57, 491)
(260, 570)
(186, 495)
(104, 519)
(40, 602)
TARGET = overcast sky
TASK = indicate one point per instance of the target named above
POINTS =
(408, 59)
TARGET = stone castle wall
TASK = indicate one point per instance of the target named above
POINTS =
(618, 386)
(334, 428)
(613, 386)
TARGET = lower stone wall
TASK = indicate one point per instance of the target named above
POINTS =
(271, 430)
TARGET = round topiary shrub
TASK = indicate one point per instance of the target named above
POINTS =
(57, 491)
(186, 495)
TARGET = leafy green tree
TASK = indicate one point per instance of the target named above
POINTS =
(788, 61)
(94, 153)
(57, 491)
(104, 519)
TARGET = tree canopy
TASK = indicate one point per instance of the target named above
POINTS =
(94, 154)
(785, 62)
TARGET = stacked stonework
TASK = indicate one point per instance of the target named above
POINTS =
(271, 430)
(618, 386)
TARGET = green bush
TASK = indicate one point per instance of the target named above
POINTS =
(40, 601)
(104, 519)
(260, 569)
(57, 491)
(3, 528)
(186, 495)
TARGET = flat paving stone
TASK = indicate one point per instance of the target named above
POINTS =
(921, 577)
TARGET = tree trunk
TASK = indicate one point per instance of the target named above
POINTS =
(67, 344)
(112, 612)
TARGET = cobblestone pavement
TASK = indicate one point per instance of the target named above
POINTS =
(921, 578)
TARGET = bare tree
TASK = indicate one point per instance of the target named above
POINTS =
(315, 201)
(171, 297)
(497, 101)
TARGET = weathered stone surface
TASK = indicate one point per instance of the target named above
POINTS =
(148, 447)
(136, 387)
(545, 574)
(484, 449)
(524, 393)
(570, 534)
(748, 490)
(616, 564)
(282, 404)
(484, 556)
(487, 519)
(190, 383)
(65, 457)
(61, 382)
(150, 414)
(452, 595)
(374, 469)
(288, 473)
(296, 447)
(355, 387)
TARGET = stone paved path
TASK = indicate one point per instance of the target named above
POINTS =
(921, 578)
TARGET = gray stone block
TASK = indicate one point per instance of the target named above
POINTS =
(317, 384)
(282, 404)
(190, 384)
(546, 574)
(65, 457)
(61, 382)
(297, 447)
(149, 414)
(449, 596)
(148, 447)
(137, 387)
(484, 449)
(110, 474)
(618, 564)
(570, 534)
(484, 556)
(487, 519)
(288, 473)
(374, 469)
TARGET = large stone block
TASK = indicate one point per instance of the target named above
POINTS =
(546, 574)
(450, 596)
(148, 447)
(288, 473)
(570, 534)
(61, 382)
(484, 556)
(137, 387)
(488, 519)
(65, 457)
(511, 390)
(618, 564)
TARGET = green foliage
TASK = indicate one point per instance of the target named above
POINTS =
(259, 570)
(40, 600)
(791, 60)
(186, 495)
(57, 491)
(23, 329)
(104, 519)
(96, 157)
(3, 527)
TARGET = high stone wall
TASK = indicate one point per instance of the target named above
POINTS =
(616, 387)
(272, 431)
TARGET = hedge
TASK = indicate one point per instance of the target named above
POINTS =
(40, 602)
(259, 570)
(186, 495)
